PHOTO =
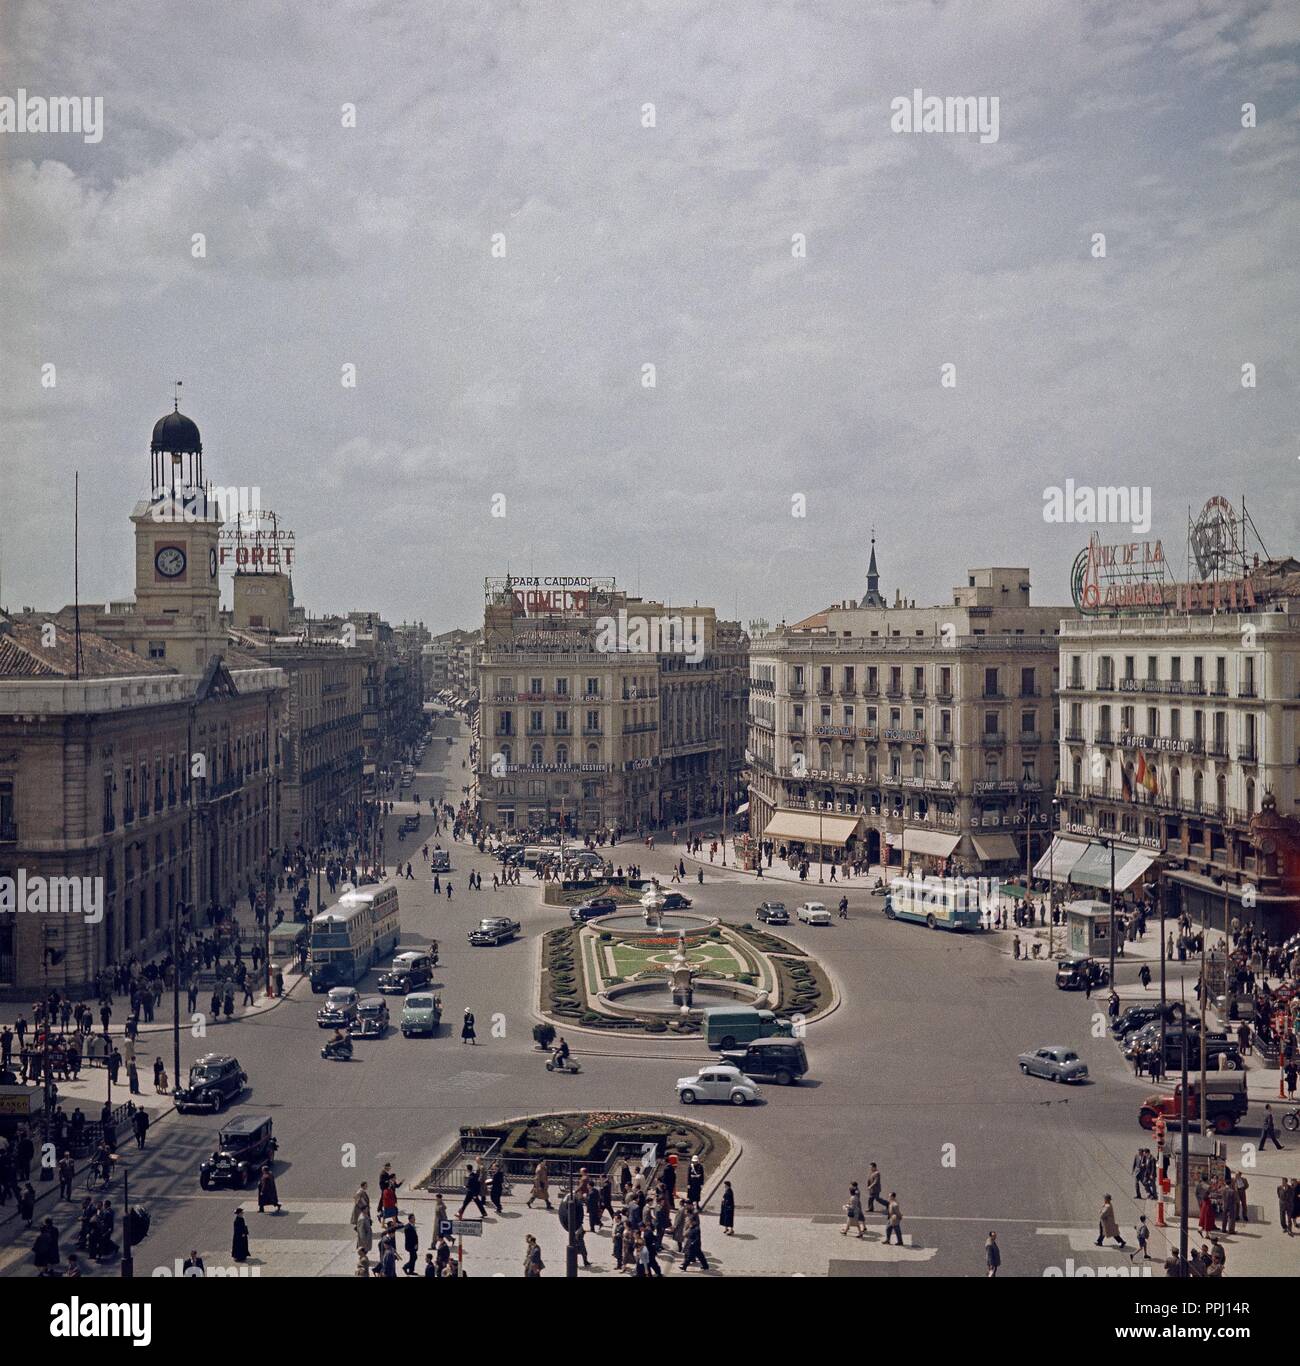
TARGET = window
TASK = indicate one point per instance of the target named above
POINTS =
(990, 723)
(536, 756)
(849, 678)
(535, 686)
(918, 680)
(561, 687)
(990, 682)
(945, 681)
(562, 755)
(1028, 683)
(157, 649)
(562, 722)
(593, 687)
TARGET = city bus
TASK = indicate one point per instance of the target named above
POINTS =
(341, 948)
(381, 901)
(940, 903)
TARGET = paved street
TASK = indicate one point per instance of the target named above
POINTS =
(915, 1070)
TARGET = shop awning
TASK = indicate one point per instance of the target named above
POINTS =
(995, 848)
(1060, 859)
(811, 827)
(1093, 869)
(925, 842)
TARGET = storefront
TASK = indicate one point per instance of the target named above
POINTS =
(817, 833)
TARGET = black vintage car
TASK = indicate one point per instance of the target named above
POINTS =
(215, 1079)
(1075, 974)
(244, 1146)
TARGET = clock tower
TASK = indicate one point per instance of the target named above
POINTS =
(177, 616)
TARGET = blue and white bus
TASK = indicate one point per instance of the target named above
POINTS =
(341, 948)
(381, 900)
(940, 903)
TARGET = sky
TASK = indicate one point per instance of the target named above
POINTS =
(509, 236)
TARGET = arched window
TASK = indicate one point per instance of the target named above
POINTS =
(825, 758)
(561, 754)
(918, 763)
(1176, 786)
(506, 757)
(1198, 788)
(1221, 791)
(593, 753)
(1250, 797)
(945, 769)
(536, 759)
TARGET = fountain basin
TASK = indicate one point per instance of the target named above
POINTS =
(653, 997)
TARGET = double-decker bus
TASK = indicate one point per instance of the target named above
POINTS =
(940, 903)
(341, 948)
(381, 902)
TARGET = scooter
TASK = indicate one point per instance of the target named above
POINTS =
(337, 1052)
(558, 1064)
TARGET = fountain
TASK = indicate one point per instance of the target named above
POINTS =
(652, 906)
(680, 974)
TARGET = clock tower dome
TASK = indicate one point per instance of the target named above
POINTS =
(177, 531)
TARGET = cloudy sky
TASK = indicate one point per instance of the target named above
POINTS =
(521, 374)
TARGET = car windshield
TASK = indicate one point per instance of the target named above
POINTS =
(1069, 1057)
(232, 1142)
(199, 1075)
(419, 1003)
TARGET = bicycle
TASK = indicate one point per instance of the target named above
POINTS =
(99, 1176)
(1291, 1121)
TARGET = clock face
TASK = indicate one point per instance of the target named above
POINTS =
(170, 561)
(212, 564)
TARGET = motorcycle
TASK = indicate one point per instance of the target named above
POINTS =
(337, 1052)
(1291, 1121)
(556, 1063)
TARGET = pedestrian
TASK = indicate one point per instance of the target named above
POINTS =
(1144, 976)
(411, 1242)
(727, 1210)
(140, 1123)
(992, 1254)
(45, 1250)
(1143, 1234)
(533, 1264)
(496, 1186)
(266, 1191)
(365, 1234)
(360, 1204)
(541, 1186)
(473, 1192)
(693, 1244)
(873, 1191)
(894, 1219)
(467, 1027)
(1285, 1205)
(1108, 1225)
(1268, 1131)
(853, 1216)
(239, 1238)
(67, 1174)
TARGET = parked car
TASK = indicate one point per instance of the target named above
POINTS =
(784, 1060)
(412, 969)
(1056, 1062)
(675, 901)
(1148, 1037)
(1076, 974)
(719, 1082)
(1226, 1102)
(215, 1080)
(591, 908)
(493, 929)
(813, 913)
(372, 1018)
(772, 913)
(340, 1008)
(729, 1026)
(421, 1014)
(244, 1146)
(1134, 1018)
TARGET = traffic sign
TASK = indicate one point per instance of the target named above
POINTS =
(467, 1228)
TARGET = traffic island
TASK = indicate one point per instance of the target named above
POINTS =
(618, 974)
(598, 1140)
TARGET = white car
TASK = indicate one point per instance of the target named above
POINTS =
(813, 913)
(717, 1083)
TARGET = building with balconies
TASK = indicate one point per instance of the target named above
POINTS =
(897, 733)
(1176, 728)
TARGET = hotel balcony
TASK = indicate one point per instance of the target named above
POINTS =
(993, 738)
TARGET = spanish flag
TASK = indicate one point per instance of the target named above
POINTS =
(1145, 774)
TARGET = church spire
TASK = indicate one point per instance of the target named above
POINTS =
(872, 597)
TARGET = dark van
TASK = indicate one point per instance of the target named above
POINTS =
(784, 1060)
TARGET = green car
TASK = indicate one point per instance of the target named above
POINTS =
(421, 1014)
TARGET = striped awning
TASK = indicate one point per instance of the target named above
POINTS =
(995, 848)
(929, 842)
(1060, 859)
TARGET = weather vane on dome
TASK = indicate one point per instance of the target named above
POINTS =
(176, 400)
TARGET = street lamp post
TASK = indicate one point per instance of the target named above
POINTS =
(128, 1261)
(1167, 1012)
(821, 848)
(1110, 844)
(1051, 875)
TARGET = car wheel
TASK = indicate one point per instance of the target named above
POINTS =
(219, 1104)
(929, 922)
(1223, 1124)
(889, 913)
(1055, 1076)
(688, 1097)
(784, 1078)
(728, 1042)
(1229, 1063)
(738, 1098)
(205, 1183)
(1024, 1067)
